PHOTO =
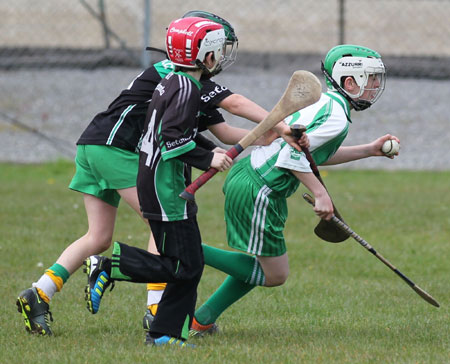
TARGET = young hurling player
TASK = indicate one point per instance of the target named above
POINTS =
(257, 187)
(170, 146)
(107, 163)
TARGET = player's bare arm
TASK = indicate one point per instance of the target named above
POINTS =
(241, 106)
(227, 134)
(231, 135)
(352, 153)
(324, 206)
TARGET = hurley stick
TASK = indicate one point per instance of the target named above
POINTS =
(325, 229)
(342, 225)
(304, 89)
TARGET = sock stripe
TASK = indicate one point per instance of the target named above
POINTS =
(156, 286)
(257, 277)
(58, 281)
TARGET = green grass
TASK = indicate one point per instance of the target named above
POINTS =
(340, 304)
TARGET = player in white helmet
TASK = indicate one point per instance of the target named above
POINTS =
(257, 186)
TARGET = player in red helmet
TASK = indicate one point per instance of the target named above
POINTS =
(107, 166)
(170, 146)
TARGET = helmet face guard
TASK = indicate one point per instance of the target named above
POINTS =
(229, 55)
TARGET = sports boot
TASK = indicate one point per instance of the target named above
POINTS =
(35, 312)
(166, 340)
(98, 281)
(199, 330)
(147, 320)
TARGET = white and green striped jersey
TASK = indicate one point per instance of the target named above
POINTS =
(327, 122)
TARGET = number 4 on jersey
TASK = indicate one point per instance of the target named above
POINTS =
(147, 141)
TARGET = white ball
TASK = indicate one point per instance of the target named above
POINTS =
(390, 147)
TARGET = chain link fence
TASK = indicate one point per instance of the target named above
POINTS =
(99, 33)
(63, 61)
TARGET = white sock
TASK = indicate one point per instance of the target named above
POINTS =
(46, 284)
(153, 297)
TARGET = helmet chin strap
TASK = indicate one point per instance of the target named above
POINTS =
(206, 71)
(358, 105)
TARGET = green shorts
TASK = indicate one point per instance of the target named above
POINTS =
(102, 170)
(254, 215)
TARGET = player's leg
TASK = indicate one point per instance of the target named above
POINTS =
(34, 302)
(180, 266)
(101, 220)
(245, 273)
(101, 208)
(255, 224)
(276, 269)
(154, 290)
(126, 171)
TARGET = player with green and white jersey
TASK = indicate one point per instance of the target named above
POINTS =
(257, 187)
(267, 171)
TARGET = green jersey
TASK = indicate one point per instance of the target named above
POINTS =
(257, 186)
(327, 123)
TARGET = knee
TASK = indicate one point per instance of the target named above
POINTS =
(277, 279)
(100, 243)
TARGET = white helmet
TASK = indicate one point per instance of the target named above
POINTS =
(364, 65)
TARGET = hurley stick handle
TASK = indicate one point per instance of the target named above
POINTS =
(345, 228)
(189, 193)
(324, 229)
(297, 131)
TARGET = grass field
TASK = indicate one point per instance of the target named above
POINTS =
(340, 304)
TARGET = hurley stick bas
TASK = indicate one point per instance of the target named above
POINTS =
(303, 89)
(325, 230)
(342, 225)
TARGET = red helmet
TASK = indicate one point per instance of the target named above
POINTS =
(188, 40)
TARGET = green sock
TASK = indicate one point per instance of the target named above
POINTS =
(229, 292)
(59, 271)
(241, 266)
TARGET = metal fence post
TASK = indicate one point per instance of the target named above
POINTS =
(341, 22)
(145, 58)
(102, 15)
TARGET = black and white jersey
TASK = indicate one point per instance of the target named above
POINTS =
(121, 125)
(169, 136)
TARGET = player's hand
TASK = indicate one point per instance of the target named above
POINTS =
(221, 161)
(324, 207)
(219, 150)
(286, 134)
(304, 141)
(375, 146)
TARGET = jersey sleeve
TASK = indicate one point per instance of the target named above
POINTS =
(326, 132)
(209, 117)
(204, 142)
(198, 157)
(290, 158)
(212, 93)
